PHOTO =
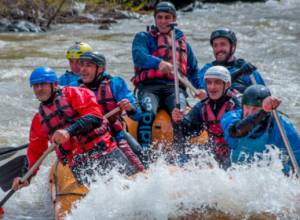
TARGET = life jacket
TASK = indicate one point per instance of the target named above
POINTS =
(241, 83)
(106, 100)
(164, 51)
(213, 126)
(59, 115)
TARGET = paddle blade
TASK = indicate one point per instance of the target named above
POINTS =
(4, 155)
(16, 167)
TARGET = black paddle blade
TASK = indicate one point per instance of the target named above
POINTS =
(16, 167)
(5, 152)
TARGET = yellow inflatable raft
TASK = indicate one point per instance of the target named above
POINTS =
(162, 130)
(65, 190)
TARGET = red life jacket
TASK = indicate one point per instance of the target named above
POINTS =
(59, 115)
(106, 100)
(213, 126)
(164, 51)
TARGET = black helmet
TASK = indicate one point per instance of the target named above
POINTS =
(223, 32)
(165, 7)
(94, 57)
(255, 94)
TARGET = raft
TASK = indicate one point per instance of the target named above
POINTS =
(65, 190)
(162, 130)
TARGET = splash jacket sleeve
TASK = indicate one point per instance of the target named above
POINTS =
(244, 126)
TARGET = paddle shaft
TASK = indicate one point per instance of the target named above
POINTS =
(29, 173)
(187, 84)
(176, 80)
(286, 143)
(13, 149)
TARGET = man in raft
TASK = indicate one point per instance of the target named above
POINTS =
(248, 130)
(71, 118)
(206, 114)
(243, 74)
(70, 78)
(111, 92)
(154, 79)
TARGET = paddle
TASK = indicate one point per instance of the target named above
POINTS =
(176, 79)
(6, 152)
(10, 170)
(286, 143)
(29, 173)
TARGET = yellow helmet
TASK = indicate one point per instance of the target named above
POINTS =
(77, 49)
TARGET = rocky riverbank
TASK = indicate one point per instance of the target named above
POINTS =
(37, 16)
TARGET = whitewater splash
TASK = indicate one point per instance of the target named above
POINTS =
(165, 193)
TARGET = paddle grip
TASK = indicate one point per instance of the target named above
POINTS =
(14, 149)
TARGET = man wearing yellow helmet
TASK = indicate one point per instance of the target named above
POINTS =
(70, 78)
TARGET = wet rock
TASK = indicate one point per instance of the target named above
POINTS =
(118, 14)
(22, 26)
(3, 24)
(68, 18)
(104, 26)
(192, 6)
(107, 21)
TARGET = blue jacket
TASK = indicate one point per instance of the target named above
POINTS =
(69, 79)
(145, 44)
(120, 91)
(269, 136)
(244, 81)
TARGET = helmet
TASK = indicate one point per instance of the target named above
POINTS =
(255, 94)
(218, 72)
(77, 49)
(165, 7)
(42, 74)
(223, 32)
(94, 57)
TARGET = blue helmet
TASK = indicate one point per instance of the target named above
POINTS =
(42, 74)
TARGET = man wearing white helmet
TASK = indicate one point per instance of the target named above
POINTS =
(206, 114)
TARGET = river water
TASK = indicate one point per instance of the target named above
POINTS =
(268, 36)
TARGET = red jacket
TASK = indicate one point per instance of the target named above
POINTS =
(83, 103)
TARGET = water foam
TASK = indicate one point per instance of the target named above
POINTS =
(241, 191)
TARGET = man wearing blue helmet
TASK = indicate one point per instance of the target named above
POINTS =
(248, 130)
(71, 118)
(243, 74)
(154, 80)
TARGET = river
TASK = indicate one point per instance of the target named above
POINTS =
(268, 36)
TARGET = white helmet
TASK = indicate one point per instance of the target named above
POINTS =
(218, 72)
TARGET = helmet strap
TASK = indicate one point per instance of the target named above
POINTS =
(54, 90)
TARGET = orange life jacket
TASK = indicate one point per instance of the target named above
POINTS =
(164, 51)
(106, 100)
